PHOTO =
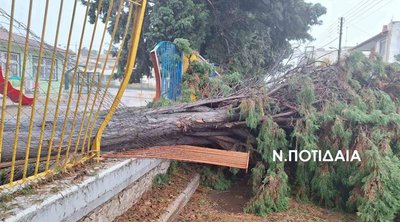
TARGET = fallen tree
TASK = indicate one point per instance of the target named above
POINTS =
(341, 110)
(350, 108)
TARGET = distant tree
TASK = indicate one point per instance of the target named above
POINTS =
(248, 36)
(143, 64)
(253, 35)
(171, 19)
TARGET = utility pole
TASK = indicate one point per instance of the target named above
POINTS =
(340, 38)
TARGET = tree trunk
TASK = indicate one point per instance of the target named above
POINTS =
(203, 123)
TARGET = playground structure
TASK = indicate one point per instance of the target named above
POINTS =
(51, 127)
(169, 65)
(14, 93)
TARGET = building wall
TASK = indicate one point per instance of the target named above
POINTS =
(389, 46)
(381, 47)
(31, 72)
(385, 44)
(394, 41)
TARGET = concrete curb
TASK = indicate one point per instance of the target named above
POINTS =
(180, 202)
(78, 200)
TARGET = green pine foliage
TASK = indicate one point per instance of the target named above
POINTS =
(161, 180)
(215, 179)
(270, 186)
(252, 112)
(271, 138)
(305, 138)
(183, 45)
(257, 176)
(380, 186)
(367, 121)
(196, 82)
(273, 195)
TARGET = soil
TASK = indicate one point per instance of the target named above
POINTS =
(154, 202)
(232, 200)
(211, 205)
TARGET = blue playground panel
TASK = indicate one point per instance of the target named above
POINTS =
(170, 63)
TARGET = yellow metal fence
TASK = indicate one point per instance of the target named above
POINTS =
(52, 95)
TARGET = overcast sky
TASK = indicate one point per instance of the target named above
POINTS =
(363, 19)
(21, 14)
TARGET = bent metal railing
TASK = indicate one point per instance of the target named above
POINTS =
(48, 122)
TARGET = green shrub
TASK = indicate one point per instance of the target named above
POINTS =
(215, 179)
(161, 180)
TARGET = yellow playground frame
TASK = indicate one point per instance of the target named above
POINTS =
(74, 130)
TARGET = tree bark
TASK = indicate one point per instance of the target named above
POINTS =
(203, 123)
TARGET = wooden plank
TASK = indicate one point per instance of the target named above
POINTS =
(189, 154)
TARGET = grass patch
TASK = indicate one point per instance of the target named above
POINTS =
(28, 190)
(161, 180)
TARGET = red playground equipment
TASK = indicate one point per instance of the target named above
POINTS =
(12, 92)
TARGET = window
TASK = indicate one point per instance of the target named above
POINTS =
(14, 63)
(382, 46)
(45, 68)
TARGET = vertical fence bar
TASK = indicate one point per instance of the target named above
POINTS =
(135, 37)
(3, 104)
(53, 130)
(93, 124)
(72, 87)
(82, 84)
(35, 93)
(21, 89)
(139, 12)
(119, 12)
(46, 103)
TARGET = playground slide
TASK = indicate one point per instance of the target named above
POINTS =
(12, 92)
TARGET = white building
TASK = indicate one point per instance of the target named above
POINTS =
(101, 63)
(385, 44)
(322, 56)
(329, 56)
